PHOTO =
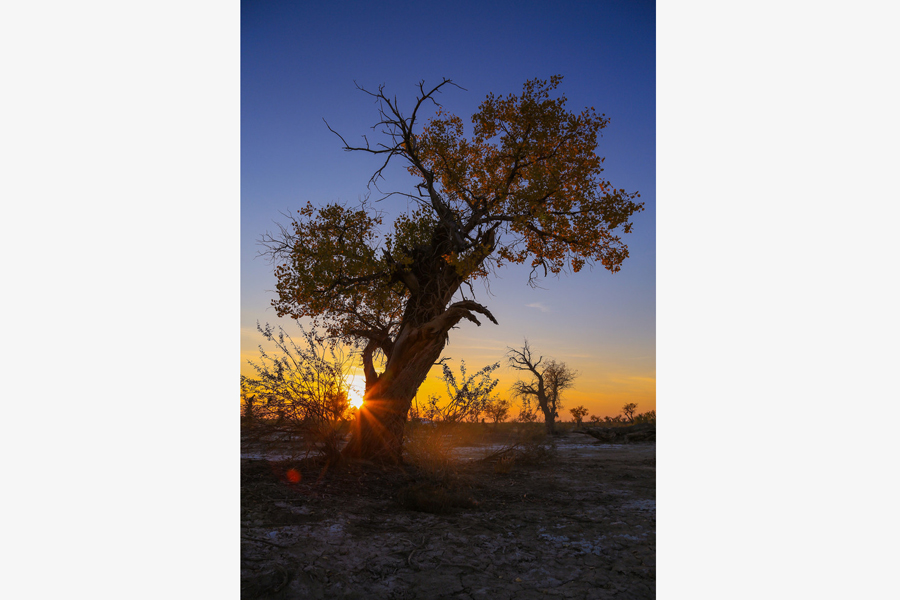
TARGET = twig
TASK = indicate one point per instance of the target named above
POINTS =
(253, 539)
(409, 562)
(284, 582)
(498, 453)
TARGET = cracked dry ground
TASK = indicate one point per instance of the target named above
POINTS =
(579, 525)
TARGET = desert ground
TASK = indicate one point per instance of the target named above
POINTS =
(569, 518)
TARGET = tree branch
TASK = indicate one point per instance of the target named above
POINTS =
(456, 311)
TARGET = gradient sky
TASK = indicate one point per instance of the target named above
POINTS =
(299, 62)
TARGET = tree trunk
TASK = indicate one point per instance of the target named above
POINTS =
(549, 423)
(378, 430)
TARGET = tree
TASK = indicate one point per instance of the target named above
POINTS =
(578, 413)
(647, 417)
(546, 384)
(525, 186)
(628, 410)
(498, 409)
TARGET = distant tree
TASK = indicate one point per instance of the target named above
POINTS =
(526, 186)
(578, 413)
(647, 417)
(629, 409)
(545, 385)
(596, 419)
(468, 397)
(498, 409)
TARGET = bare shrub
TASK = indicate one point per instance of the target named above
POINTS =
(429, 446)
(430, 449)
(250, 409)
(301, 386)
(468, 397)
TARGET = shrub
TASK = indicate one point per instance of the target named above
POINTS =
(302, 386)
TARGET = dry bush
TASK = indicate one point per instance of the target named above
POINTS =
(299, 391)
(441, 486)
(467, 396)
(429, 446)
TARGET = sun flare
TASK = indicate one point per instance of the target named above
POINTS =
(355, 390)
(356, 399)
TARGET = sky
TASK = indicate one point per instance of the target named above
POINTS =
(300, 63)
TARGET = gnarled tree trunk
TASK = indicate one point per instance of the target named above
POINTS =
(378, 431)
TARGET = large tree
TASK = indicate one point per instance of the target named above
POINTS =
(526, 185)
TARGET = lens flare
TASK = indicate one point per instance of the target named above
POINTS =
(293, 475)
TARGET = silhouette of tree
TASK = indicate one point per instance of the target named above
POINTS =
(498, 409)
(525, 186)
(578, 413)
(546, 384)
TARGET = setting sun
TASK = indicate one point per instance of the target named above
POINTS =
(356, 398)
(355, 391)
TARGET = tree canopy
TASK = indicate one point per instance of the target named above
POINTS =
(526, 186)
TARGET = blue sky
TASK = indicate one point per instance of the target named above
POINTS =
(299, 66)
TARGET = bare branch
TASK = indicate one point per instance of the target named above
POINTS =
(453, 314)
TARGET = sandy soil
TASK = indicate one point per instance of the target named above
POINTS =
(580, 524)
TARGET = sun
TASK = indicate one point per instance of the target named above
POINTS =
(355, 391)
(356, 399)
